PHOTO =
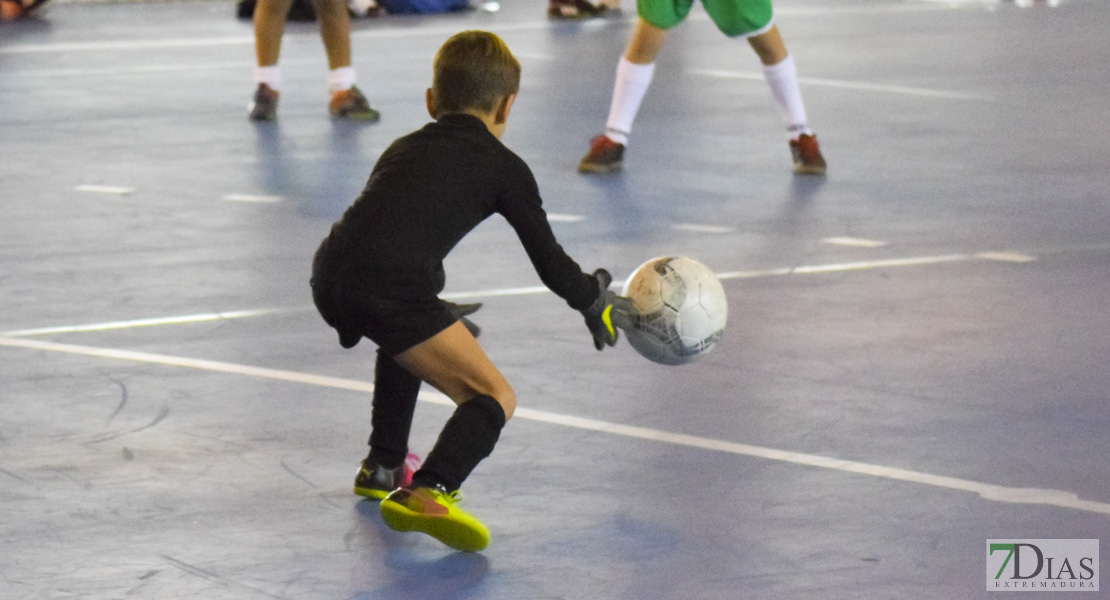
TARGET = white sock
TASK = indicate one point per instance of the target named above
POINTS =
(783, 79)
(628, 92)
(341, 79)
(270, 75)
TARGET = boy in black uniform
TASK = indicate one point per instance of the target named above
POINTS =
(379, 271)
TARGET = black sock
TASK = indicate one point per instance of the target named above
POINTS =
(468, 437)
(394, 403)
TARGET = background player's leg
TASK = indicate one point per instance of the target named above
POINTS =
(769, 46)
(335, 30)
(269, 25)
(634, 74)
(347, 101)
(646, 42)
(782, 76)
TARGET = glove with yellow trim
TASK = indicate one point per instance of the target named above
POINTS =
(608, 313)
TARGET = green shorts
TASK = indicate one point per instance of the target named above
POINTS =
(735, 18)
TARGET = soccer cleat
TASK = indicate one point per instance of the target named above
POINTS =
(351, 104)
(264, 106)
(573, 9)
(434, 511)
(376, 481)
(605, 156)
(807, 155)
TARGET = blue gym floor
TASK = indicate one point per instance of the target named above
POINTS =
(917, 358)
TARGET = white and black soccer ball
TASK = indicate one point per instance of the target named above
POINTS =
(682, 308)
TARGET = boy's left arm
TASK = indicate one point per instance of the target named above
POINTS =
(608, 313)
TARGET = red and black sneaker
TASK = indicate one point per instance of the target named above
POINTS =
(807, 155)
(605, 156)
(351, 104)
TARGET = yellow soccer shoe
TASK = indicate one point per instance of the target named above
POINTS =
(435, 512)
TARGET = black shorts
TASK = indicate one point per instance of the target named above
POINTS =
(394, 325)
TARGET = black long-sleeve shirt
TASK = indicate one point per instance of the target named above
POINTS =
(427, 191)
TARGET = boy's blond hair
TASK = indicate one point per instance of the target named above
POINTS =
(472, 70)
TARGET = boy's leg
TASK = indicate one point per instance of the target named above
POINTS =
(428, 505)
(467, 438)
(395, 392)
(634, 74)
(453, 362)
(389, 464)
(782, 76)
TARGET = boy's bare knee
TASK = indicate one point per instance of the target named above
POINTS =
(504, 395)
(507, 399)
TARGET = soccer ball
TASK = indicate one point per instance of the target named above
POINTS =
(682, 309)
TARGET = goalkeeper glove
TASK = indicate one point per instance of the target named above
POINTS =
(608, 312)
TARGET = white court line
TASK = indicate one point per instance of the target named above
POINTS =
(854, 242)
(1017, 257)
(116, 190)
(850, 266)
(520, 291)
(539, 289)
(199, 318)
(143, 69)
(559, 218)
(127, 45)
(696, 228)
(852, 85)
(987, 491)
(251, 198)
(146, 69)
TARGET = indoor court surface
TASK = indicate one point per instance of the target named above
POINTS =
(917, 358)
